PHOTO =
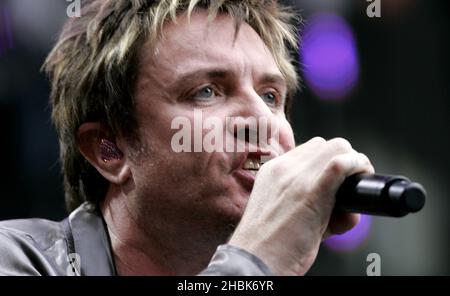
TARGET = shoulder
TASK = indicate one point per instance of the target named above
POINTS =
(43, 247)
(30, 246)
(23, 226)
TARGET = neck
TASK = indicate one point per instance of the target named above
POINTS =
(157, 246)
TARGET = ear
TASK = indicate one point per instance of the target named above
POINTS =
(103, 152)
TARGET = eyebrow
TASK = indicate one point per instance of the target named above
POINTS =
(201, 73)
(273, 79)
(222, 73)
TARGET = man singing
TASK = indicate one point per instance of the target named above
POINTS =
(120, 74)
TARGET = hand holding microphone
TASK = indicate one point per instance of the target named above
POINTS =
(310, 192)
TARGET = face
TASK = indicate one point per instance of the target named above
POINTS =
(202, 67)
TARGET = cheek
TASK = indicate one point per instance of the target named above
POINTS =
(155, 130)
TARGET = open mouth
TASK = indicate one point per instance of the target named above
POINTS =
(249, 165)
(252, 165)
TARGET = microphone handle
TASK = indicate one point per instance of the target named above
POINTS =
(381, 195)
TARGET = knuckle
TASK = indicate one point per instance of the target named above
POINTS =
(318, 140)
(365, 159)
(340, 145)
(335, 165)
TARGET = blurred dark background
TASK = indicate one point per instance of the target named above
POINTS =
(394, 108)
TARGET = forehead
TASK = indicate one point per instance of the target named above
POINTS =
(198, 42)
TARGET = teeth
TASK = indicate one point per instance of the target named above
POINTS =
(252, 164)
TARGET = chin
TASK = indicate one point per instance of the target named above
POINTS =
(236, 205)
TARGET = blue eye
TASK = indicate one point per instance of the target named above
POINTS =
(204, 93)
(269, 98)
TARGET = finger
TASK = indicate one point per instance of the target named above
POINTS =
(335, 147)
(312, 144)
(321, 151)
(339, 145)
(342, 166)
(316, 141)
(341, 222)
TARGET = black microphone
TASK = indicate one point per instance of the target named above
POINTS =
(381, 195)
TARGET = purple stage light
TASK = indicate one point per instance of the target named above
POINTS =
(329, 56)
(351, 239)
(6, 38)
(2, 39)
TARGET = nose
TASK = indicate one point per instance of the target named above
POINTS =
(252, 121)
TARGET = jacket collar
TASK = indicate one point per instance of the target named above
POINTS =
(91, 241)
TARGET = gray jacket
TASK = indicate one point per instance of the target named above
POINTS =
(79, 245)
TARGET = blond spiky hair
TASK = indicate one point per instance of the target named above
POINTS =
(92, 68)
